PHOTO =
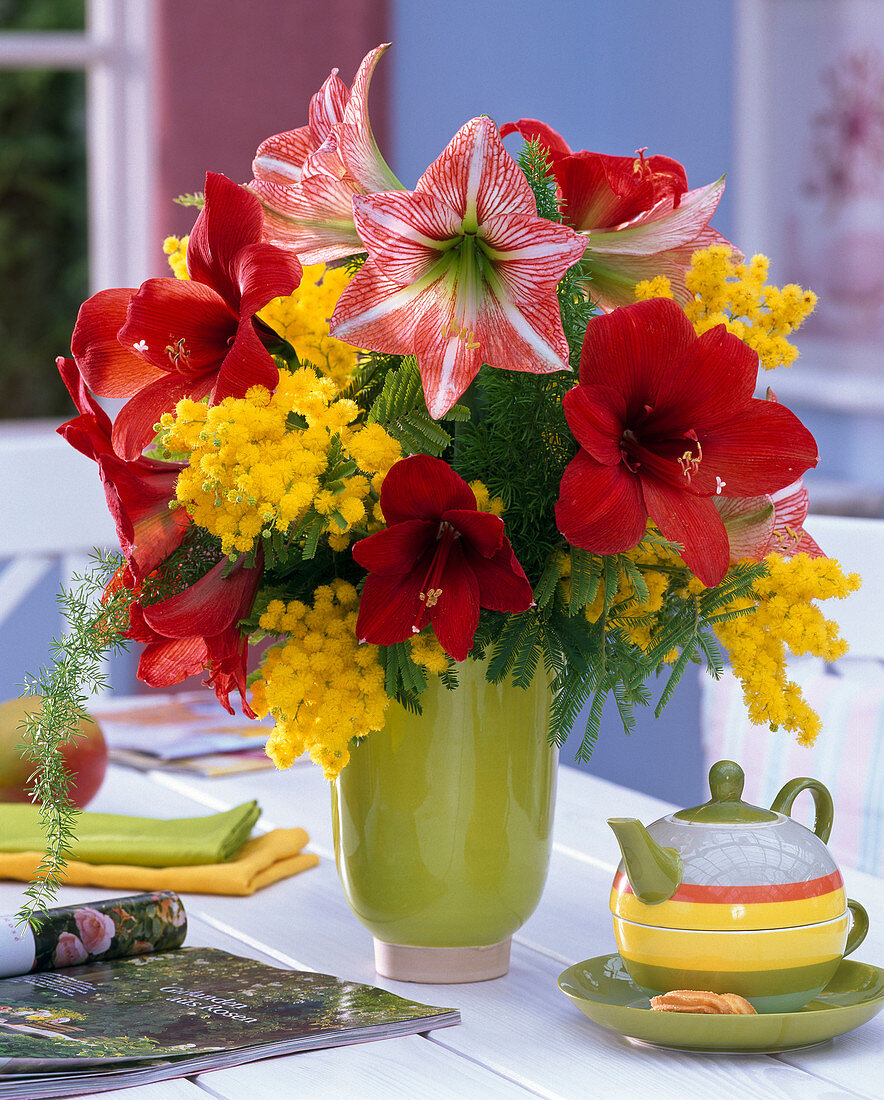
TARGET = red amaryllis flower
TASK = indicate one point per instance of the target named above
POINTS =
(666, 421)
(176, 338)
(196, 630)
(439, 560)
(640, 217)
(138, 493)
(461, 271)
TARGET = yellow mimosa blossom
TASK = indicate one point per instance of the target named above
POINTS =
(176, 249)
(302, 319)
(426, 652)
(738, 296)
(485, 502)
(785, 617)
(261, 463)
(319, 684)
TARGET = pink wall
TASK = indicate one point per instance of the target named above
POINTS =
(232, 72)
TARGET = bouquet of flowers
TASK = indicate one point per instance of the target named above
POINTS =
(506, 415)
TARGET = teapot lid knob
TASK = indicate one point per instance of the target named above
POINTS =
(726, 806)
(726, 781)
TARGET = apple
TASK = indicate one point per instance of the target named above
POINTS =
(85, 756)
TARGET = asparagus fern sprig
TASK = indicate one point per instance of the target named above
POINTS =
(95, 630)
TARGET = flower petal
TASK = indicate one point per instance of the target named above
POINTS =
(375, 313)
(623, 349)
(600, 191)
(388, 608)
(695, 523)
(650, 233)
(424, 488)
(749, 522)
(527, 336)
(396, 550)
(503, 585)
(356, 144)
(171, 661)
(90, 432)
(596, 416)
(449, 354)
(134, 426)
(208, 607)
(758, 449)
(138, 496)
(791, 504)
(477, 177)
(532, 129)
(264, 272)
(713, 377)
(327, 106)
(455, 615)
(230, 219)
(600, 508)
(228, 653)
(313, 219)
(588, 199)
(247, 364)
(183, 327)
(529, 254)
(280, 159)
(405, 232)
(482, 531)
(109, 368)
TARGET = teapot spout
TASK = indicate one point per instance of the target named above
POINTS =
(654, 872)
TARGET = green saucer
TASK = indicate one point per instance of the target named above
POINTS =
(602, 990)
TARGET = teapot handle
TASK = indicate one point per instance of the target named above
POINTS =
(822, 801)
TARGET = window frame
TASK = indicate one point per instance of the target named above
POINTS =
(117, 51)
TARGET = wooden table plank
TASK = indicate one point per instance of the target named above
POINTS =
(182, 1088)
(388, 1069)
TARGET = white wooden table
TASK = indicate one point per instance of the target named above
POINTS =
(520, 1035)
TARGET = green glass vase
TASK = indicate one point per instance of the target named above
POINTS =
(443, 827)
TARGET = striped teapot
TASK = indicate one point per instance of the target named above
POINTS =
(734, 898)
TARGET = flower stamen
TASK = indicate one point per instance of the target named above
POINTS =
(690, 462)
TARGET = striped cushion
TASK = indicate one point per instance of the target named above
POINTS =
(848, 755)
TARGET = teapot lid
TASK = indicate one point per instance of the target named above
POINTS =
(725, 807)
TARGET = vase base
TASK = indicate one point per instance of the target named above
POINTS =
(441, 965)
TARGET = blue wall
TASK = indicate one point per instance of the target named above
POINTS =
(610, 75)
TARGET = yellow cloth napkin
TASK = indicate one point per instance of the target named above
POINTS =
(260, 861)
(140, 841)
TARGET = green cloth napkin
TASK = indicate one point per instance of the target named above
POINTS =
(140, 841)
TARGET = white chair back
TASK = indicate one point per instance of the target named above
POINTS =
(848, 755)
(53, 511)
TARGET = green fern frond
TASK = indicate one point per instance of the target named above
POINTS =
(678, 669)
(586, 574)
(519, 632)
(401, 409)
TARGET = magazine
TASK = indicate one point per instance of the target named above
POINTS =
(132, 1021)
(181, 732)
